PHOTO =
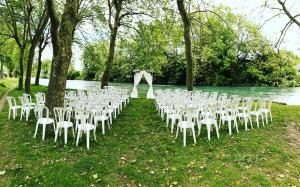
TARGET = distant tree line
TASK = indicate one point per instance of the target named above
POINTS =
(227, 51)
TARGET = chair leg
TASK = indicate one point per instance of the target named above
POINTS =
(271, 116)
(208, 132)
(199, 128)
(56, 134)
(9, 113)
(229, 127)
(36, 129)
(103, 127)
(66, 135)
(266, 117)
(22, 113)
(108, 125)
(177, 132)
(88, 139)
(217, 130)
(73, 132)
(251, 122)
(44, 131)
(184, 136)
(246, 125)
(236, 126)
(262, 119)
(257, 121)
(78, 136)
(172, 125)
(194, 135)
(95, 135)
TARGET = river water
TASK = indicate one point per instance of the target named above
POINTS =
(289, 96)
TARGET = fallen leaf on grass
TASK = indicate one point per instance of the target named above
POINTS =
(2, 173)
(95, 176)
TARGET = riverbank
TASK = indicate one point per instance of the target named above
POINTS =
(289, 96)
(140, 151)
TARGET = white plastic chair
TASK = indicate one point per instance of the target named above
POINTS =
(43, 119)
(266, 105)
(230, 116)
(186, 122)
(13, 107)
(257, 113)
(28, 96)
(40, 99)
(26, 107)
(101, 114)
(244, 113)
(63, 121)
(85, 125)
(208, 118)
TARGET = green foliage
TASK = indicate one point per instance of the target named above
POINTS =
(227, 51)
(94, 58)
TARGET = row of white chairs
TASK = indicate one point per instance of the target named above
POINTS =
(189, 109)
(86, 111)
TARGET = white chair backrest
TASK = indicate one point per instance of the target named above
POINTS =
(24, 101)
(187, 115)
(11, 101)
(28, 97)
(41, 112)
(62, 114)
(84, 117)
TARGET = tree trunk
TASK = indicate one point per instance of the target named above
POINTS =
(2, 73)
(110, 59)
(29, 67)
(112, 46)
(21, 57)
(188, 44)
(62, 33)
(39, 67)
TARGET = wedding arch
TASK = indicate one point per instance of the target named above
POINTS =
(138, 75)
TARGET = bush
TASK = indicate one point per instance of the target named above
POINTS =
(73, 75)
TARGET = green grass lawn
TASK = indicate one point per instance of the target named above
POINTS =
(139, 150)
(6, 84)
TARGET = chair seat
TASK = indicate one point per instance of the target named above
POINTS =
(256, 113)
(185, 124)
(45, 121)
(15, 107)
(264, 110)
(208, 121)
(64, 124)
(174, 116)
(243, 115)
(101, 118)
(86, 127)
(228, 118)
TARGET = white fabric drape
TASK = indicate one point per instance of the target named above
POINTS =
(137, 78)
(149, 79)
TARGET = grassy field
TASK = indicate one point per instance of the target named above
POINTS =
(140, 151)
(6, 84)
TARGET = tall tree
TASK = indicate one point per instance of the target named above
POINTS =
(62, 35)
(113, 27)
(188, 44)
(15, 16)
(44, 41)
(38, 22)
(119, 13)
